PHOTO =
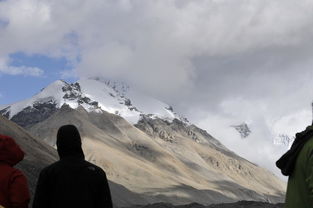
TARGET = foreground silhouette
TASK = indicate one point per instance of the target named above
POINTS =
(240, 204)
(13, 184)
(72, 181)
(297, 163)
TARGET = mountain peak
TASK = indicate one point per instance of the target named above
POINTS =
(243, 129)
(56, 84)
(93, 94)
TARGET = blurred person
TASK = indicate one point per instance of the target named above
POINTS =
(72, 181)
(297, 164)
(14, 192)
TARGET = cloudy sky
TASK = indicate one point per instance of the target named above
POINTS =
(219, 62)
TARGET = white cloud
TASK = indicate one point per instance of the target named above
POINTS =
(68, 74)
(148, 42)
(266, 121)
(21, 70)
(258, 148)
(5, 68)
(220, 62)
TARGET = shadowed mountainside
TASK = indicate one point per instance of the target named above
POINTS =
(39, 155)
(164, 161)
(240, 204)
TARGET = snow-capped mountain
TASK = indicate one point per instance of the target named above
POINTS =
(143, 145)
(284, 139)
(94, 95)
(285, 128)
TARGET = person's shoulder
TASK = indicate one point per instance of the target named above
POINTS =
(16, 172)
(309, 143)
(50, 168)
(94, 168)
(307, 149)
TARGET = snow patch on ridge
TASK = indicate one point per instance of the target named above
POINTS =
(53, 92)
(119, 98)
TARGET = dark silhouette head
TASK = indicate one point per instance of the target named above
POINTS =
(69, 143)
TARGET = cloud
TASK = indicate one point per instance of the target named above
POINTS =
(152, 42)
(258, 147)
(266, 126)
(21, 70)
(66, 74)
(162, 42)
(220, 62)
(5, 68)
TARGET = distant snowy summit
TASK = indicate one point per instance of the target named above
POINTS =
(243, 129)
(284, 140)
(94, 95)
(278, 139)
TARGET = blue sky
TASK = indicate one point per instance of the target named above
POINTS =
(14, 88)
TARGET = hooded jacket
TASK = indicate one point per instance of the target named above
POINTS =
(14, 191)
(72, 181)
(297, 163)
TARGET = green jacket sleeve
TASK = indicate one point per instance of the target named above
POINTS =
(309, 175)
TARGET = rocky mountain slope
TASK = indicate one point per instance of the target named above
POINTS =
(40, 155)
(164, 161)
(240, 204)
(148, 151)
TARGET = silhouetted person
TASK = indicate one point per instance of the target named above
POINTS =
(14, 191)
(72, 182)
(297, 163)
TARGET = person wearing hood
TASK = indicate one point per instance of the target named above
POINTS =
(297, 164)
(14, 192)
(72, 181)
